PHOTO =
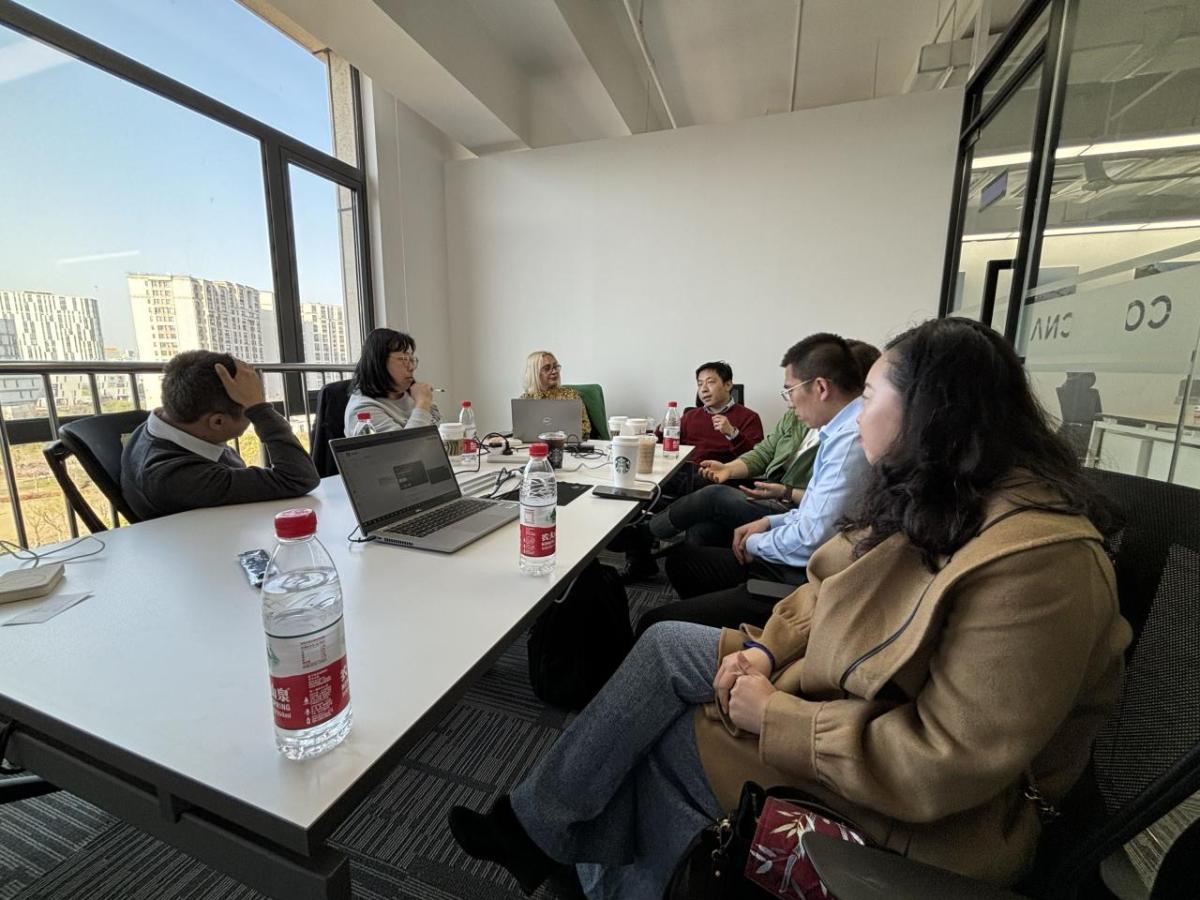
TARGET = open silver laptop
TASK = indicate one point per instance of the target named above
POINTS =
(532, 417)
(404, 492)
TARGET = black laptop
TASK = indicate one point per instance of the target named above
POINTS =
(404, 492)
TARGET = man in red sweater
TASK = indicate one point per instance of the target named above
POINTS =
(719, 428)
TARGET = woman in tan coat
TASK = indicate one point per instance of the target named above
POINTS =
(939, 678)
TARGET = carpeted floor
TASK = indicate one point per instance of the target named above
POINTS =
(58, 847)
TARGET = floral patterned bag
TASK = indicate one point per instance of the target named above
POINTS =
(776, 860)
(756, 851)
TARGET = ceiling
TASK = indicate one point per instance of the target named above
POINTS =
(498, 75)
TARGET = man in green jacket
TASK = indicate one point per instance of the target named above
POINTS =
(783, 461)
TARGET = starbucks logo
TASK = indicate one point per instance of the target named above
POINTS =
(621, 464)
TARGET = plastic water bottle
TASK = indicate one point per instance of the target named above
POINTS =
(306, 640)
(466, 418)
(670, 431)
(363, 425)
(539, 513)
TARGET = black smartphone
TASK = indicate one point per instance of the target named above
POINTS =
(610, 492)
(254, 564)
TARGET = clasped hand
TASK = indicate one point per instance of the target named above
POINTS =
(742, 687)
(740, 535)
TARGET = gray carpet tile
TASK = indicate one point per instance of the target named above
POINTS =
(37, 835)
(397, 839)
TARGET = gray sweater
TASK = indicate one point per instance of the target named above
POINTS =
(388, 414)
(160, 475)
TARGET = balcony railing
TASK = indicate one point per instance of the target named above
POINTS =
(28, 419)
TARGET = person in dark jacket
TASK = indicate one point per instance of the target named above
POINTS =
(179, 459)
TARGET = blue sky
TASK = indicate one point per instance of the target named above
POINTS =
(99, 177)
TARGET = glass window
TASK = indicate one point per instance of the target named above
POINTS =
(1111, 343)
(218, 47)
(142, 225)
(995, 199)
(1025, 47)
(326, 266)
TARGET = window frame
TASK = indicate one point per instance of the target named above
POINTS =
(1052, 56)
(278, 149)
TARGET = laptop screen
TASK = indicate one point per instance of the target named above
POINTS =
(395, 472)
(533, 417)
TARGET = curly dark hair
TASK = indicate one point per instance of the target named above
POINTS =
(371, 376)
(970, 420)
(191, 388)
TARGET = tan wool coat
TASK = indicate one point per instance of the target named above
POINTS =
(920, 705)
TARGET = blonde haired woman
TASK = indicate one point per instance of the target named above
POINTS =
(543, 381)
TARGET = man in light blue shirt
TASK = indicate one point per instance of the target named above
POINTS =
(790, 538)
(822, 384)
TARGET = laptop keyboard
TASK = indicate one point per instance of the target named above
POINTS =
(442, 517)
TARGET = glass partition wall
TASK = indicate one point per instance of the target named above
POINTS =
(1076, 226)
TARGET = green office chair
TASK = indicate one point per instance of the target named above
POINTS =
(593, 401)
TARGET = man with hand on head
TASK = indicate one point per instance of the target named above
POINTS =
(179, 458)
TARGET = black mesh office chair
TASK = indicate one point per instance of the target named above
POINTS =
(97, 442)
(329, 422)
(1146, 760)
(1079, 402)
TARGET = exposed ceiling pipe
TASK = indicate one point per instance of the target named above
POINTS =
(641, 39)
(796, 59)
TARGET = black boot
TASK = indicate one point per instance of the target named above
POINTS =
(639, 567)
(499, 837)
(634, 540)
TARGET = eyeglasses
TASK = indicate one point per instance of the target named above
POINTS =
(786, 393)
(408, 360)
(557, 367)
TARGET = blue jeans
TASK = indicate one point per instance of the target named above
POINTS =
(623, 792)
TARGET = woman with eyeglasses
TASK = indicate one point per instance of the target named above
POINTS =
(385, 385)
(543, 381)
(938, 681)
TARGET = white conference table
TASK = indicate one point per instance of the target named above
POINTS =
(151, 700)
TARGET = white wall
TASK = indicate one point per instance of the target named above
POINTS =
(637, 258)
(405, 165)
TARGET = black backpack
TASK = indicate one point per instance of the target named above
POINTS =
(577, 644)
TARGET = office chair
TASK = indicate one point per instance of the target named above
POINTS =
(1144, 762)
(1079, 402)
(329, 422)
(592, 396)
(97, 442)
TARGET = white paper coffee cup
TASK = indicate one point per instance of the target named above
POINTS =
(625, 449)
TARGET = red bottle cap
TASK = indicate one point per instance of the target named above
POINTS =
(362, 415)
(538, 450)
(466, 403)
(295, 523)
(671, 403)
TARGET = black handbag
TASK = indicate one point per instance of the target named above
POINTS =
(577, 643)
(712, 867)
